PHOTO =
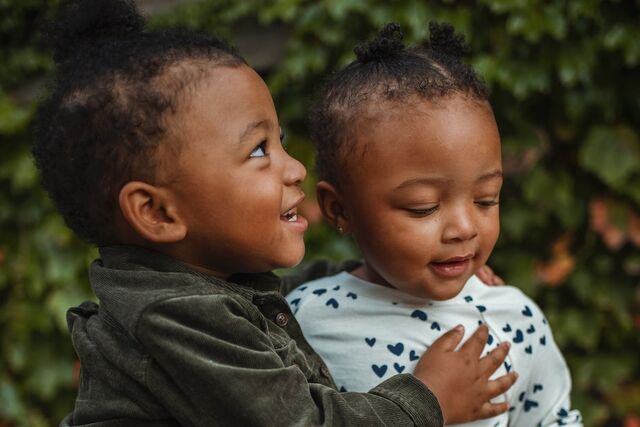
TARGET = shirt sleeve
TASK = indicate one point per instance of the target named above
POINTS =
(213, 365)
(549, 385)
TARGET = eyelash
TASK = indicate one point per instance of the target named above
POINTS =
(426, 212)
(487, 203)
(423, 212)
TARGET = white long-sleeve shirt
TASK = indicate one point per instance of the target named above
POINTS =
(366, 333)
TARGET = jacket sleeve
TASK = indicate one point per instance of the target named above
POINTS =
(313, 271)
(211, 365)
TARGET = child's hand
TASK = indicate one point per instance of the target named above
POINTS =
(460, 379)
(486, 274)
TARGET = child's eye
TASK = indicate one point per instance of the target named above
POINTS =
(260, 150)
(422, 211)
(487, 203)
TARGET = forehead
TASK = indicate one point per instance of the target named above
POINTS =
(224, 104)
(418, 136)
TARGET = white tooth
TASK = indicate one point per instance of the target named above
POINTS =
(293, 218)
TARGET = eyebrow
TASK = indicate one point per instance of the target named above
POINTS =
(490, 175)
(253, 126)
(426, 180)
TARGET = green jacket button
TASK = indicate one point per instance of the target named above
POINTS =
(282, 319)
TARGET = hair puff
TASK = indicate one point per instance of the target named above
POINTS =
(82, 22)
(444, 39)
(387, 43)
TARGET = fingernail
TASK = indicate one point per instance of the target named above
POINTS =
(507, 344)
(459, 328)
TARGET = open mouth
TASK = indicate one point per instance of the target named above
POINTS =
(290, 216)
(452, 267)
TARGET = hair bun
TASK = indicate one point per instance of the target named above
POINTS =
(444, 39)
(387, 42)
(81, 21)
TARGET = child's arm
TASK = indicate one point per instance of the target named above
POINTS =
(225, 369)
(545, 397)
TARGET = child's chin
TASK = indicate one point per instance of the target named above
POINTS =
(294, 258)
(446, 291)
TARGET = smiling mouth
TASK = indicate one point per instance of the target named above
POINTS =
(290, 216)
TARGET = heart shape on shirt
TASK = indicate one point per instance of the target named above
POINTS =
(435, 325)
(481, 308)
(370, 341)
(537, 387)
(396, 349)
(543, 340)
(419, 314)
(507, 328)
(531, 329)
(399, 368)
(413, 355)
(352, 295)
(527, 311)
(529, 404)
(319, 291)
(379, 370)
(528, 349)
(519, 337)
(468, 298)
(332, 302)
(336, 288)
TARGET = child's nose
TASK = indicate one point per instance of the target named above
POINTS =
(294, 172)
(460, 226)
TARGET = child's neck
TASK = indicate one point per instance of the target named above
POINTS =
(367, 274)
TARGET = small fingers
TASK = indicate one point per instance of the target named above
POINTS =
(489, 410)
(488, 276)
(485, 274)
(500, 385)
(491, 362)
(476, 342)
(450, 340)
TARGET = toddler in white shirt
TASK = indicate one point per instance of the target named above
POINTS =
(410, 166)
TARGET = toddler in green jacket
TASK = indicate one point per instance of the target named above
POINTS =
(163, 148)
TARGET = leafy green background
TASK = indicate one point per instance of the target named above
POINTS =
(565, 82)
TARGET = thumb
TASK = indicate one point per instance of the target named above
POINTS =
(450, 340)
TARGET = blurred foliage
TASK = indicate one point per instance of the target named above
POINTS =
(565, 87)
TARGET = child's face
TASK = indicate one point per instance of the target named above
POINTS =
(422, 192)
(235, 187)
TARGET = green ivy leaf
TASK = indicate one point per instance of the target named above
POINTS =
(611, 153)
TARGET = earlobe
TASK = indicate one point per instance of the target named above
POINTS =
(332, 206)
(150, 213)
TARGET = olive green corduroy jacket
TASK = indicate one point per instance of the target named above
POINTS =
(170, 346)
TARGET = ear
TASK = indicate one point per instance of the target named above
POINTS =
(150, 212)
(332, 206)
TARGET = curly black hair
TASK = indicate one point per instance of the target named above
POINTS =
(385, 70)
(116, 87)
